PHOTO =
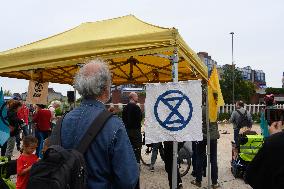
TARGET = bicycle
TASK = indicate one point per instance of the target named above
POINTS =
(184, 158)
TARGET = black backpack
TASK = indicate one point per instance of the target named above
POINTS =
(243, 120)
(65, 168)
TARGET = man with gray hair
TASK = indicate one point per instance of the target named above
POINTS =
(110, 159)
(52, 107)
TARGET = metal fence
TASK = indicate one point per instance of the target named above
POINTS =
(227, 108)
(252, 108)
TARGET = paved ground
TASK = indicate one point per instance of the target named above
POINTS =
(158, 179)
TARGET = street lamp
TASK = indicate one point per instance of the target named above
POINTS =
(233, 67)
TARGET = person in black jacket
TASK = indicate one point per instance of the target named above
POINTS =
(267, 169)
(132, 117)
(201, 158)
(14, 125)
(168, 159)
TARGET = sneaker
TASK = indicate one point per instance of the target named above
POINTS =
(194, 182)
(217, 185)
(18, 148)
(204, 173)
(151, 168)
(180, 186)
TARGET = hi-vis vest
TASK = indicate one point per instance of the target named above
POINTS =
(250, 149)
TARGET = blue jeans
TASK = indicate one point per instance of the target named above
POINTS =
(26, 130)
(41, 136)
(155, 148)
(236, 136)
(201, 158)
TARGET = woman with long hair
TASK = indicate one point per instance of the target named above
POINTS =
(14, 125)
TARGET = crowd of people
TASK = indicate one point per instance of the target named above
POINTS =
(23, 121)
(113, 157)
(26, 123)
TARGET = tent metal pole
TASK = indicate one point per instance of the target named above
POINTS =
(74, 97)
(174, 60)
(208, 140)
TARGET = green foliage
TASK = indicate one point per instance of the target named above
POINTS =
(79, 100)
(7, 93)
(143, 93)
(243, 89)
(119, 114)
(224, 116)
(256, 117)
(58, 112)
(271, 90)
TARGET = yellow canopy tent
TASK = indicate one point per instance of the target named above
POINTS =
(137, 52)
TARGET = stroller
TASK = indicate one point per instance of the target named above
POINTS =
(249, 144)
(7, 168)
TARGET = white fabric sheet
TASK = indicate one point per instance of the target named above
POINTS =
(173, 112)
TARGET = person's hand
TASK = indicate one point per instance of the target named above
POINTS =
(275, 127)
(277, 124)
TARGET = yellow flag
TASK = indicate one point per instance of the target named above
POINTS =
(215, 96)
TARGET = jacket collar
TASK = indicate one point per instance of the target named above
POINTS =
(92, 102)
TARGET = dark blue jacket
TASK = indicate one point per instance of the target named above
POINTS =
(110, 160)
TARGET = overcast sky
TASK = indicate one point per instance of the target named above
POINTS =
(204, 24)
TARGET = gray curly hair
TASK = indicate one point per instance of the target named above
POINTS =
(92, 79)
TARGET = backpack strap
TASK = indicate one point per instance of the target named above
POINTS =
(243, 116)
(93, 131)
(59, 149)
(56, 132)
(240, 113)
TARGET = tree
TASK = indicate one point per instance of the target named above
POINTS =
(7, 93)
(243, 89)
(271, 90)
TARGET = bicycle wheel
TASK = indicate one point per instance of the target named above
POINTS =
(184, 166)
(145, 156)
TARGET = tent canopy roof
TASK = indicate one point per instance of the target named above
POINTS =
(137, 52)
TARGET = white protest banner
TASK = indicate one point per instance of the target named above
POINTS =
(173, 112)
(37, 93)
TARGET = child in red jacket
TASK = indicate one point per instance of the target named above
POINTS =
(25, 161)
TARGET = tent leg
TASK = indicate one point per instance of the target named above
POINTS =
(74, 98)
(208, 140)
(174, 60)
